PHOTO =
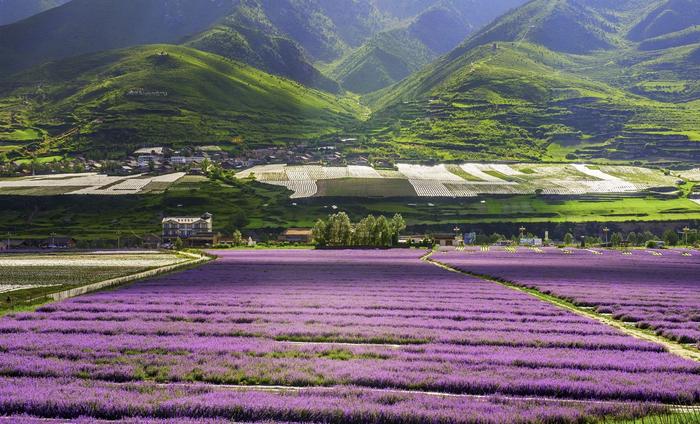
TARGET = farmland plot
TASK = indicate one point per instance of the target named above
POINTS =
(300, 188)
(691, 175)
(650, 291)
(24, 277)
(428, 173)
(431, 188)
(354, 336)
(477, 170)
(466, 180)
(85, 184)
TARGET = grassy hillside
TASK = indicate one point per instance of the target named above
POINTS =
(15, 10)
(387, 58)
(517, 90)
(392, 55)
(325, 29)
(247, 35)
(171, 95)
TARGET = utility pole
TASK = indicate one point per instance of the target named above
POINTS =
(686, 230)
(606, 230)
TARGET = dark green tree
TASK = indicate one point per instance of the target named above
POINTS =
(671, 237)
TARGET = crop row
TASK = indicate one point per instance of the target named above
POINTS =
(67, 398)
(365, 323)
(657, 292)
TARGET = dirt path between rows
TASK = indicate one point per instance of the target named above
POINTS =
(675, 348)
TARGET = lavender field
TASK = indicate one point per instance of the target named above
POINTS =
(657, 290)
(327, 337)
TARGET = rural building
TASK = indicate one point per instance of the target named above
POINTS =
(204, 240)
(146, 160)
(58, 243)
(447, 240)
(534, 241)
(15, 244)
(151, 241)
(186, 160)
(413, 239)
(297, 235)
(187, 227)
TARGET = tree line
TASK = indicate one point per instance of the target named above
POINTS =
(617, 239)
(338, 231)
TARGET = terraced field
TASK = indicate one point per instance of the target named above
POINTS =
(328, 336)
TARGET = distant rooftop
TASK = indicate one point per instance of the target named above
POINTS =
(150, 150)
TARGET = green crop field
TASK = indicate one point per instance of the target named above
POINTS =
(365, 187)
(27, 279)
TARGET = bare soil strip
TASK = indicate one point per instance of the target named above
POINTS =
(676, 348)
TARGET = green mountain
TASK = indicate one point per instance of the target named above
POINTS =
(554, 78)
(15, 10)
(669, 17)
(249, 36)
(114, 101)
(392, 55)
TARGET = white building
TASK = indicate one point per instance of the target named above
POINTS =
(186, 227)
(535, 241)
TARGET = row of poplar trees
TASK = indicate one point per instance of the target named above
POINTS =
(338, 231)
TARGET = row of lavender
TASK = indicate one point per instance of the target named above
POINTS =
(661, 292)
(382, 329)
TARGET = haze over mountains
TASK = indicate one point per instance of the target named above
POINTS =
(16, 10)
(556, 79)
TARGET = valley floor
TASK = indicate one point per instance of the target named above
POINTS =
(264, 209)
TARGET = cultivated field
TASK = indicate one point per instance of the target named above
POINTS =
(329, 337)
(87, 184)
(28, 278)
(658, 290)
(466, 180)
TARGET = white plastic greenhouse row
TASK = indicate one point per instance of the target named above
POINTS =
(429, 173)
(595, 173)
(301, 189)
(7, 288)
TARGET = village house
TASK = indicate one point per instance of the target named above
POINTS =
(144, 161)
(412, 239)
(187, 227)
(56, 242)
(447, 240)
(531, 241)
(297, 235)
